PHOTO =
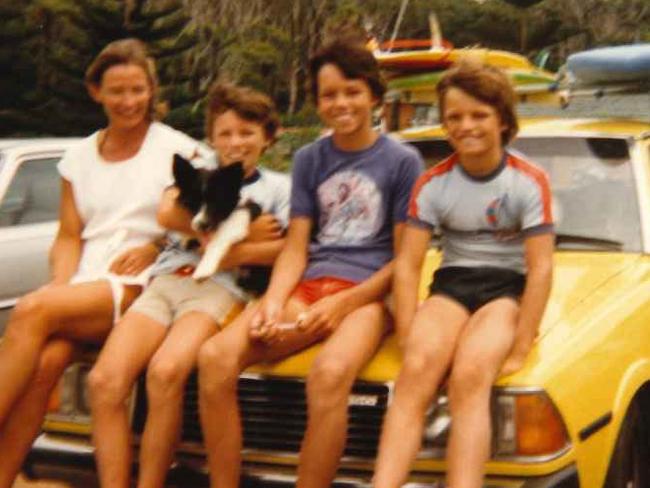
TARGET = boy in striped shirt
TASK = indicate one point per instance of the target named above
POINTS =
(493, 209)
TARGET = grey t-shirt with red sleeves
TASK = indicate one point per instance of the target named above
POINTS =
(484, 221)
(354, 199)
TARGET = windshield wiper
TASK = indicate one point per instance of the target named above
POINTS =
(590, 241)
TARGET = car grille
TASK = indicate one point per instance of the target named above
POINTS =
(274, 414)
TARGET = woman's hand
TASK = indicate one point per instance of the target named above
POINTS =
(135, 260)
(264, 228)
(325, 315)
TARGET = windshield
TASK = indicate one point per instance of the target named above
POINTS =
(594, 194)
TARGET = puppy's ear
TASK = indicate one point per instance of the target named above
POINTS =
(188, 180)
(184, 173)
(222, 192)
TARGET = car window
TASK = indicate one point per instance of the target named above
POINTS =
(33, 195)
(433, 151)
(594, 194)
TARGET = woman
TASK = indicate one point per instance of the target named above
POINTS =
(108, 237)
(487, 299)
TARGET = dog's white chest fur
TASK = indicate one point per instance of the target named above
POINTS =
(232, 230)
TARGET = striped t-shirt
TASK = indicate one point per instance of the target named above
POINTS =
(483, 220)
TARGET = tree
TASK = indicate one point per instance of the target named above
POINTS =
(69, 33)
(523, 6)
(18, 80)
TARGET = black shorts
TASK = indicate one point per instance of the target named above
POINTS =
(474, 287)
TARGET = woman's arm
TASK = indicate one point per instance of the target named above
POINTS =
(539, 277)
(408, 270)
(65, 252)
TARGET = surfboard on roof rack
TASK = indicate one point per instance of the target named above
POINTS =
(524, 79)
(439, 58)
(610, 65)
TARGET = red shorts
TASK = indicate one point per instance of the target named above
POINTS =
(310, 291)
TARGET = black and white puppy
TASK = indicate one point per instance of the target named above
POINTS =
(212, 196)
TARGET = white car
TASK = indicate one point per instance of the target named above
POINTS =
(29, 206)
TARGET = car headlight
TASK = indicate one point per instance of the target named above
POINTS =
(526, 426)
(69, 401)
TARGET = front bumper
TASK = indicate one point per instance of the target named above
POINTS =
(71, 460)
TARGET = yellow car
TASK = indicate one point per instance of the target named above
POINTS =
(578, 414)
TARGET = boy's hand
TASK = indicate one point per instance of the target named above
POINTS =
(262, 325)
(515, 360)
(325, 315)
(264, 228)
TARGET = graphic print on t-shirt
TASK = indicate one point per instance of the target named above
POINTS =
(500, 219)
(496, 213)
(350, 206)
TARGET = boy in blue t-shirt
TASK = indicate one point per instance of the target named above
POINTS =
(349, 202)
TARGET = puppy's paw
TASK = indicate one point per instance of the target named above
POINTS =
(202, 271)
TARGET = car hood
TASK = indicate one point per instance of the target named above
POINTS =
(581, 282)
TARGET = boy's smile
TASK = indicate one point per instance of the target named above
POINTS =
(474, 128)
(345, 105)
(238, 139)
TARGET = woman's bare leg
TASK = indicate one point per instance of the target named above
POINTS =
(166, 377)
(81, 312)
(26, 417)
(329, 383)
(429, 349)
(128, 349)
(482, 348)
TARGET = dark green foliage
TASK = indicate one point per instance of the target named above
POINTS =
(46, 45)
(278, 156)
(523, 3)
(64, 36)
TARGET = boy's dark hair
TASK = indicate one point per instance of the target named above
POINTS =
(127, 51)
(354, 61)
(486, 83)
(248, 103)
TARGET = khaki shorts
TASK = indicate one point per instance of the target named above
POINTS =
(169, 297)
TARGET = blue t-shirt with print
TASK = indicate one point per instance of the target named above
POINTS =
(353, 198)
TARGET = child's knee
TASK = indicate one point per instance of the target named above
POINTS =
(469, 379)
(165, 378)
(218, 368)
(106, 388)
(329, 379)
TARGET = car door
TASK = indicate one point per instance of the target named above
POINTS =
(29, 199)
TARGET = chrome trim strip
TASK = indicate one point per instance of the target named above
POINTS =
(641, 174)
(61, 445)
